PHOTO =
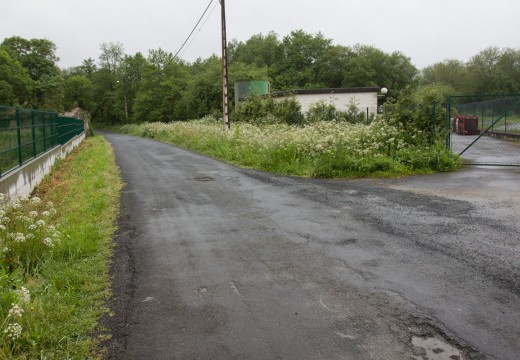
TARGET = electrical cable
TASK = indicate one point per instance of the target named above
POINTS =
(200, 28)
(194, 28)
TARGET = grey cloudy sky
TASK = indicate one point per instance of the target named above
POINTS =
(425, 31)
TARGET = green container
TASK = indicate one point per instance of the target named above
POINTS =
(245, 88)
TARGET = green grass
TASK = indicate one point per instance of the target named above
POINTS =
(323, 150)
(70, 284)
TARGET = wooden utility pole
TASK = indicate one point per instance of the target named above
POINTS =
(225, 99)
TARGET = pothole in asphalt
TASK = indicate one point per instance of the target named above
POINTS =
(433, 348)
(203, 178)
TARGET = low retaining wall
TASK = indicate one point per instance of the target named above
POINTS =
(23, 180)
(504, 136)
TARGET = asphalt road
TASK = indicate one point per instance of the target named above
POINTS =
(214, 262)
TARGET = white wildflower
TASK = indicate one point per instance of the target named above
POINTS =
(48, 242)
(2, 228)
(36, 200)
(23, 295)
(13, 331)
(32, 227)
(15, 312)
(19, 238)
(40, 223)
(46, 213)
(33, 214)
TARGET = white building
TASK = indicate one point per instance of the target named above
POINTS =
(364, 98)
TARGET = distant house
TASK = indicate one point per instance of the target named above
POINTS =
(365, 98)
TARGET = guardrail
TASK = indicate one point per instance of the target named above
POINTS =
(25, 134)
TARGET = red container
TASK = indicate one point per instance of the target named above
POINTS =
(466, 125)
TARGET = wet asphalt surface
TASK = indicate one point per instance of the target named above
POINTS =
(215, 262)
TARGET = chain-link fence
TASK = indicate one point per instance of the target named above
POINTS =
(25, 134)
(485, 129)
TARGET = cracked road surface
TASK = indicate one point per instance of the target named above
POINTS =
(215, 262)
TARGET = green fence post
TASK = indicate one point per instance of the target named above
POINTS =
(493, 117)
(33, 133)
(19, 136)
(43, 133)
(448, 123)
(433, 121)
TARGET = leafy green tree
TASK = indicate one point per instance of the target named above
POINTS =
(129, 76)
(331, 66)
(39, 58)
(78, 92)
(111, 56)
(482, 69)
(260, 50)
(203, 93)
(450, 72)
(161, 90)
(15, 83)
(103, 88)
(369, 66)
(299, 67)
(104, 82)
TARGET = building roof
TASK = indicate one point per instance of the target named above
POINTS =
(325, 91)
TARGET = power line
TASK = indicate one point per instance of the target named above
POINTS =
(172, 59)
(194, 28)
(200, 28)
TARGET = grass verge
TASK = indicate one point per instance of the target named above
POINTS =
(326, 149)
(68, 285)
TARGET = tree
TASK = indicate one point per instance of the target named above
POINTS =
(39, 58)
(78, 92)
(111, 56)
(450, 72)
(369, 66)
(331, 66)
(129, 76)
(299, 67)
(260, 50)
(161, 90)
(16, 84)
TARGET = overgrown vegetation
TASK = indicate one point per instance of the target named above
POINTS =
(54, 253)
(323, 149)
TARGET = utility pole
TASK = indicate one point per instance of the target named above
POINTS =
(225, 100)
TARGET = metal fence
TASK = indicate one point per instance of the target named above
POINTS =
(495, 135)
(25, 134)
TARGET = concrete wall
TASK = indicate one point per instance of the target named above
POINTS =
(23, 180)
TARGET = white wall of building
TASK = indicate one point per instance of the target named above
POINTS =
(340, 101)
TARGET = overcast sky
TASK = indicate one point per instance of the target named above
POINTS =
(425, 31)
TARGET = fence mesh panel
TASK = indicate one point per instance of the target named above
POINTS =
(25, 134)
(496, 118)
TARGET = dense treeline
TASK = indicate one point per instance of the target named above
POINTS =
(121, 88)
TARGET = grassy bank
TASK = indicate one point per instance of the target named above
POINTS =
(54, 263)
(324, 149)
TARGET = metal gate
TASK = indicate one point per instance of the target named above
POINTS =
(484, 129)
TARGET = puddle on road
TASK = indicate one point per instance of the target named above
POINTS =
(434, 348)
